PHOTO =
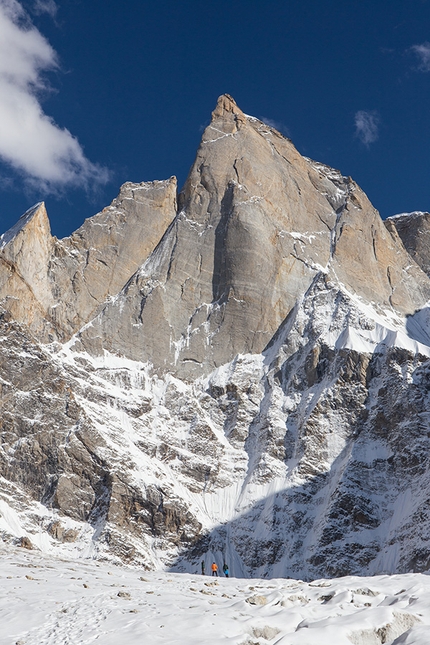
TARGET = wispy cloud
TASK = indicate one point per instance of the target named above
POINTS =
(278, 125)
(45, 6)
(367, 126)
(30, 141)
(423, 53)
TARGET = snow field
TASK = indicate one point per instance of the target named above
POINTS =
(44, 600)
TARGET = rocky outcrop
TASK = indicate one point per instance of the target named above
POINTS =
(25, 251)
(56, 286)
(414, 231)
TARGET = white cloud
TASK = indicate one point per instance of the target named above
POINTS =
(367, 126)
(30, 141)
(45, 6)
(423, 53)
(277, 125)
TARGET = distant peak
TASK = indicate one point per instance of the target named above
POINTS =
(227, 105)
(36, 210)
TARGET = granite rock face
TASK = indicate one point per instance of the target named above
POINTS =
(257, 223)
(56, 286)
(24, 260)
(240, 372)
(414, 231)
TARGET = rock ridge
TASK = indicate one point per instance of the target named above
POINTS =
(57, 286)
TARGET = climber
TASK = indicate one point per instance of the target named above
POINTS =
(214, 569)
(203, 568)
(225, 569)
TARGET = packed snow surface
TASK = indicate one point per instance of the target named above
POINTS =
(56, 601)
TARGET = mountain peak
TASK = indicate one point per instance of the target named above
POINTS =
(264, 349)
(37, 214)
(225, 106)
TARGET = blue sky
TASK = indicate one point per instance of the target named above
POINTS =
(94, 93)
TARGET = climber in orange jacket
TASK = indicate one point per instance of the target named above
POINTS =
(214, 569)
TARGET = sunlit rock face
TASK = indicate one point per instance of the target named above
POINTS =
(257, 223)
(237, 372)
(414, 231)
(25, 251)
(57, 286)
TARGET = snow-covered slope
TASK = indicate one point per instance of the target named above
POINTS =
(307, 459)
(49, 600)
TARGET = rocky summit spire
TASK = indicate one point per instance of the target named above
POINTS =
(226, 105)
(258, 225)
